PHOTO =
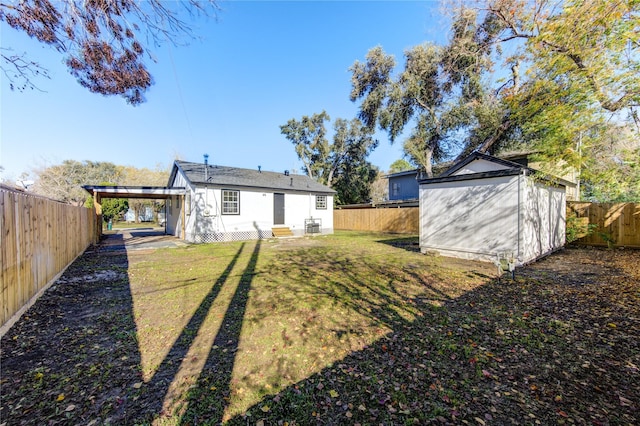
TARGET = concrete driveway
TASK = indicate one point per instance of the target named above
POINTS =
(138, 239)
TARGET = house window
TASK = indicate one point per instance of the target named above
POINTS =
(395, 189)
(321, 202)
(230, 202)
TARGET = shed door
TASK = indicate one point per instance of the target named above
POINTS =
(278, 209)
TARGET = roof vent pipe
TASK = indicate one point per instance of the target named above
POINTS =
(206, 167)
(259, 169)
(291, 182)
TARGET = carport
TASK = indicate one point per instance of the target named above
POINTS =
(143, 192)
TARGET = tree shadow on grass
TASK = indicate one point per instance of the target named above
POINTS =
(93, 370)
(528, 351)
(167, 372)
(208, 399)
(411, 243)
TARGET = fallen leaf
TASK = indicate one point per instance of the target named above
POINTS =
(70, 408)
(265, 408)
(348, 414)
(137, 385)
(60, 397)
(624, 401)
(333, 393)
(260, 423)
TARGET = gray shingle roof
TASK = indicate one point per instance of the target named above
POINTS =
(236, 177)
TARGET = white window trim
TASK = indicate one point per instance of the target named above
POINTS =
(318, 197)
(236, 203)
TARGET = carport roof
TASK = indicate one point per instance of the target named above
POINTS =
(151, 192)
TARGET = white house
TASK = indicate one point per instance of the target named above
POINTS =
(145, 216)
(484, 207)
(229, 203)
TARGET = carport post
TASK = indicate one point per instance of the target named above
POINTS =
(182, 200)
(97, 205)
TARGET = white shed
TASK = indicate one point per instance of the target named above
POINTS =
(484, 207)
(229, 203)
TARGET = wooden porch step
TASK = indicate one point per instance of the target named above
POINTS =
(282, 232)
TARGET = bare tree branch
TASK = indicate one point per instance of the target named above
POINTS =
(19, 71)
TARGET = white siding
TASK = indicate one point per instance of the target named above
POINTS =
(206, 223)
(544, 212)
(298, 207)
(474, 219)
(479, 166)
(479, 218)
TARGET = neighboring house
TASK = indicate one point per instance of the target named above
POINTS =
(484, 207)
(403, 185)
(229, 203)
(145, 216)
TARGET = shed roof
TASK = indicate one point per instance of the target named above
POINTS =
(480, 156)
(510, 168)
(201, 174)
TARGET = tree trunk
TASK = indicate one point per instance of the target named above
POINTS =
(427, 164)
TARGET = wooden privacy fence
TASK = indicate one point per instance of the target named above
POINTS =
(606, 224)
(404, 220)
(39, 238)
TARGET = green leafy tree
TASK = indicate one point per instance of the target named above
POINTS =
(309, 137)
(355, 175)
(439, 93)
(400, 165)
(103, 41)
(611, 168)
(582, 61)
(337, 162)
(114, 208)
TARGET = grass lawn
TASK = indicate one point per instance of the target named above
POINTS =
(353, 328)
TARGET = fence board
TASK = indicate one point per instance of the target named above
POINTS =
(39, 237)
(613, 224)
(403, 220)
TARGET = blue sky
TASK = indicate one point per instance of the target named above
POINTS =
(226, 94)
